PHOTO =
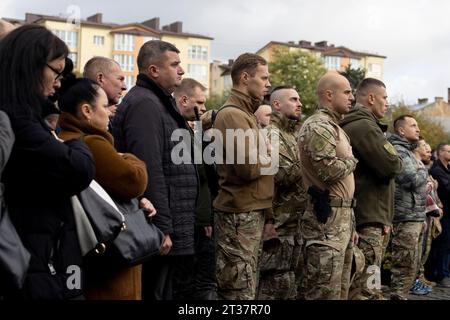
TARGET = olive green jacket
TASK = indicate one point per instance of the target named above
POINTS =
(378, 165)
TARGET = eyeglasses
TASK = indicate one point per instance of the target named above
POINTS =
(59, 75)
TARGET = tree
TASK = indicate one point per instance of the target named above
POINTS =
(432, 132)
(299, 69)
(354, 76)
(216, 101)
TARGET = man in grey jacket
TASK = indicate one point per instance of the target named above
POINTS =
(409, 207)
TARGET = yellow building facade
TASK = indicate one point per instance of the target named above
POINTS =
(92, 37)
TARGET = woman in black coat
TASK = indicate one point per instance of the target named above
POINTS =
(42, 173)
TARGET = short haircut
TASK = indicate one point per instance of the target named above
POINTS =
(246, 62)
(274, 95)
(440, 148)
(368, 83)
(152, 52)
(98, 65)
(187, 87)
(399, 122)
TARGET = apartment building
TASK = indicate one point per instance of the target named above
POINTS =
(121, 42)
(334, 57)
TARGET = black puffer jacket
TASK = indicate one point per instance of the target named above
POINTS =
(143, 126)
(40, 177)
(410, 184)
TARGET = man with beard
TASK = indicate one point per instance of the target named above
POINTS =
(327, 164)
(281, 253)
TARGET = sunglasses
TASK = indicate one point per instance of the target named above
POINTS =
(59, 75)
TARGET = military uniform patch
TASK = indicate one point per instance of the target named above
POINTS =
(390, 148)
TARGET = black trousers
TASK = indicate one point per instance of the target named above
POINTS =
(157, 278)
(195, 276)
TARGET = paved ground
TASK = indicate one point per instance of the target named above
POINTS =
(438, 293)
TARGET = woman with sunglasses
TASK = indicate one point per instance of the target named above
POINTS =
(42, 173)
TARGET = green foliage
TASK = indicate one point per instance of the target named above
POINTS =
(432, 132)
(216, 101)
(299, 69)
(354, 76)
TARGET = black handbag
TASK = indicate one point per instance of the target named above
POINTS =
(139, 241)
(112, 231)
(14, 257)
(98, 220)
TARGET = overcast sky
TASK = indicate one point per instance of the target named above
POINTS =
(413, 34)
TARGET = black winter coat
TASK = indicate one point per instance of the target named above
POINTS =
(442, 175)
(143, 126)
(41, 176)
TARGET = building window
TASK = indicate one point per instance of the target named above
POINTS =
(355, 63)
(198, 53)
(74, 57)
(198, 72)
(69, 37)
(333, 63)
(125, 61)
(124, 42)
(374, 70)
(99, 40)
(129, 81)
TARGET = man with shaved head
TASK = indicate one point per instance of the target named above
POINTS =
(108, 74)
(378, 165)
(263, 114)
(280, 256)
(327, 164)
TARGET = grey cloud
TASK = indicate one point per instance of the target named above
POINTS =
(413, 34)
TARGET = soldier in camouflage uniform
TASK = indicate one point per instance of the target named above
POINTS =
(378, 165)
(327, 164)
(280, 254)
(409, 208)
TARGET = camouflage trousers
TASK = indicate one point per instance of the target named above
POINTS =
(367, 285)
(328, 255)
(278, 267)
(238, 239)
(406, 254)
(425, 240)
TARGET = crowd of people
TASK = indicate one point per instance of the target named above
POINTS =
(346, 196)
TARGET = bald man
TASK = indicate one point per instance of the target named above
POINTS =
(263, 114)
(108, 74)
(327, 164)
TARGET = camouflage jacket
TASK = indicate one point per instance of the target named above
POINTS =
(326, 156)
(410, 184)
(289, 198)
